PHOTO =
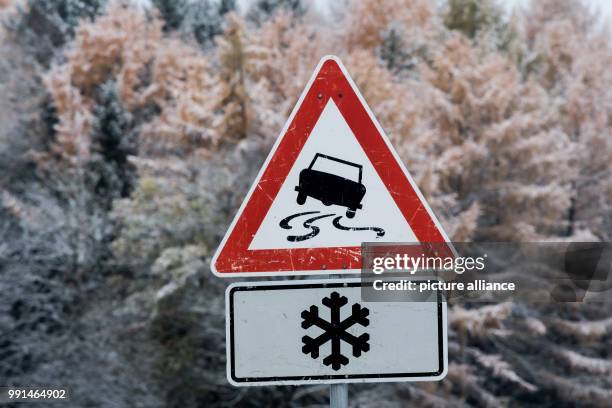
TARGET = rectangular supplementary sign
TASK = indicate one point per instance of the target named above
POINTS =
(320, 331)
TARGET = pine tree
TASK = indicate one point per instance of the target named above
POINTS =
(262, 10)
(393, 50)
(225, 6)
(112, 142)
(472, 16)
(172, 12)
(45, 26)
(234, 99)
(204, 19)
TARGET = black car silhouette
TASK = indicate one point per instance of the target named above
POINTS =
(330, 188)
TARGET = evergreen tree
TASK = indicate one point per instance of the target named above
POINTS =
(225, 6)
(234, 100)
(472, 16)
(112, 141)
(71, 11)
(262, 10)
(204, 20)
(45, 26)
(172, 12)
(393, 50)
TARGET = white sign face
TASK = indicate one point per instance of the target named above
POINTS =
(289, 224)
(305, 332)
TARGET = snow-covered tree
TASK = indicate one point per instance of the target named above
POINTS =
(113, 141)
(369, 21)
(204, 19)
(564, 47)
(172, 12)
(498, 145)
(473, 16)
(393, 50)
(45, 26)
(183, 90)
(234, 61)
(261, 10)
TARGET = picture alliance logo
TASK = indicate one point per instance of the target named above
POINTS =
(412, 264)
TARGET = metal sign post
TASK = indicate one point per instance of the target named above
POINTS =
(338, 396)
(338, 393)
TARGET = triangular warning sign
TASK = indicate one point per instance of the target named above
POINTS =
(331, 182)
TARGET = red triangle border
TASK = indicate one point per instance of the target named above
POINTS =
(234, 257)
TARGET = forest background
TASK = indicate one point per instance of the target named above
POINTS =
(130, 132)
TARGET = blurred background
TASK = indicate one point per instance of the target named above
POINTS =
(131, 130)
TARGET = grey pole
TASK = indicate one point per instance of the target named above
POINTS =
(338, 396)
(338, 393)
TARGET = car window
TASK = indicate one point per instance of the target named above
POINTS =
(339, 169)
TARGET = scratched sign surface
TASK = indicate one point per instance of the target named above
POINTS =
(331, 182)
(305, 332)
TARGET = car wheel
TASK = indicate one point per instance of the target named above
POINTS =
(350, 213)
(301, 198)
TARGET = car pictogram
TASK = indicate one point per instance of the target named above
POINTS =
(331, 188)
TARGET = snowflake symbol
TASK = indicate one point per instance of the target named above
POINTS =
(335, 330)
